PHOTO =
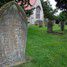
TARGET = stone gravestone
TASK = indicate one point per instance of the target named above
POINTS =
(13, 31)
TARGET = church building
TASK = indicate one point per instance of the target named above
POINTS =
(37, 15)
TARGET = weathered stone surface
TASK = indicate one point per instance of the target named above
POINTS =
(39, 22)
(13, 31)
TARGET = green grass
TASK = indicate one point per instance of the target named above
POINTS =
(46, 50)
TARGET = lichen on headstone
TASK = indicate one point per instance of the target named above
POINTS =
(13, 31)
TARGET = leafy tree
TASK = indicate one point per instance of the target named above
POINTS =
(62, 17)
(46, 9)
(62, 4)
(48, 13)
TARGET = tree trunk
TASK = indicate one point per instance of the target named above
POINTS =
(49, 26)
(62, 25)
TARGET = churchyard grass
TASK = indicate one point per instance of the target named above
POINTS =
(46, 50)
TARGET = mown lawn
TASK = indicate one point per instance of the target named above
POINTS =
(46, 50)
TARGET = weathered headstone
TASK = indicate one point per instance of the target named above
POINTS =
(39, 23)
(13, 31)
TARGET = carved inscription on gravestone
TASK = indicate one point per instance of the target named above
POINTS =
(12, 36)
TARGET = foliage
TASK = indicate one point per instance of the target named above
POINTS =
(63, 16)
(27, 2)
(47, 9)
(62, 4)
(24, 2)
(29, 12)
(48, 13)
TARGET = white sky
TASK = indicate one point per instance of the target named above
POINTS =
(53, 3)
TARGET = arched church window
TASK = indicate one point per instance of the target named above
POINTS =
(38, 12)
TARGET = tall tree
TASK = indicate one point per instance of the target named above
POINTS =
(48, 13)
(62, 4)
(62, 17)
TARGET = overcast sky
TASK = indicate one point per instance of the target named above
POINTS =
(53, 3)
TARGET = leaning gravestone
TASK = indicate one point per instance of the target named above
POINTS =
(13, 31)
